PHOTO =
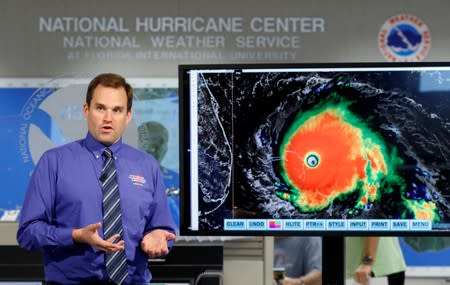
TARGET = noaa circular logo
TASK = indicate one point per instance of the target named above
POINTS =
(43, 118)
(404, 38)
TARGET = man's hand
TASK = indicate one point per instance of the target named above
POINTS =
(154, 243)
(292, 281)
(89, 235)
(362, 274)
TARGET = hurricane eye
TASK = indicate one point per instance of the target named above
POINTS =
(312, 160)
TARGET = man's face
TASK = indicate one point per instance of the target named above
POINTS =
(107, 115)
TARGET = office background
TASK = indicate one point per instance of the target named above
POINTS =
(50, 48)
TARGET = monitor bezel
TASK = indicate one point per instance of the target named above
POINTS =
(184, 123)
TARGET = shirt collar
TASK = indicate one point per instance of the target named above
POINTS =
(97, 147)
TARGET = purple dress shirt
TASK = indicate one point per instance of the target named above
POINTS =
(65, 193)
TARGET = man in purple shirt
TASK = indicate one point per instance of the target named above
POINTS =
(63, 212)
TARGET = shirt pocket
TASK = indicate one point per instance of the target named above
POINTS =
(137, 203)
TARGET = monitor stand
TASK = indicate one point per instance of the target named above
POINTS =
(333, 260)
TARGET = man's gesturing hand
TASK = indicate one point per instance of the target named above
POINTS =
(89, 235)
(154, 243)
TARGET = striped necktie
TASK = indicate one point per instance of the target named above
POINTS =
(116, 262)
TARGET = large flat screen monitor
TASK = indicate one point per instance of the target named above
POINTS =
(321, 149)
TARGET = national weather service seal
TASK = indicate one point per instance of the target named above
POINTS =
(404, 38)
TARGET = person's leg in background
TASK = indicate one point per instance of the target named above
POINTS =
(397, 278)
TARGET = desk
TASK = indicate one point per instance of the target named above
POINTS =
(183, 264)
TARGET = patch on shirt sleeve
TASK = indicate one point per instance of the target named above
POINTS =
(137, 179)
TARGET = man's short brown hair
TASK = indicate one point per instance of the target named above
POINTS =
(110, 80)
